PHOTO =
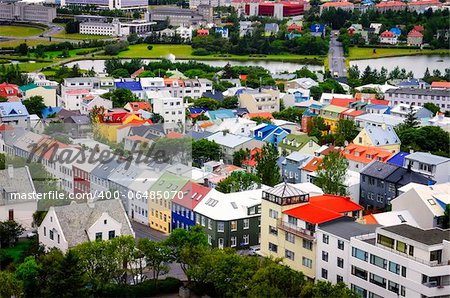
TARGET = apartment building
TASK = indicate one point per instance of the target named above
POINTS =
(169, 107)
(401, 261)
(433, 166)
(418, 97)
(109, 4)
(334, 250)
(263, 100)
(27, 12)
(102, 28)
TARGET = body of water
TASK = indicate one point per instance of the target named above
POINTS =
(416, 64)
(272, 66)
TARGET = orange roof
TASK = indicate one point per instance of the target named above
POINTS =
(312, 214)
(369, 219)
(266, 115)
(390, 4)
(174, 135)
(440, 85)
(375, 152)
(414, 33)
(139, 105)
(342, 102)
(335, 203)
(313, 164)
(169, 81)
(202, 31)
(206, 124)
(137, 72)
(337, 4)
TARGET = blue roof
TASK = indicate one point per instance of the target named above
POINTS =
(197, 110)
(380, 107)
(49, 110)
(271, 27)
(221, 29)
(12, 109)
(309, 113)
(132, 86)
(221, 114)
(396, 31)
(398, 158)
(293, 35)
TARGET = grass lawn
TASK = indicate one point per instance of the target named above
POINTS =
(72, 53)
(367, 53)
(29, 67)
(185, 52)
(16, 251)
(16, 42)
(64, 35)
(19, 31)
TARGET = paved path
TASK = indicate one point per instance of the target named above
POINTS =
(336, 57)
(144, 231)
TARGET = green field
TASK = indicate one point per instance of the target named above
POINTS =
(185, 52)
(72, 53)
(29, 67)
(16, 42)
(19, 31)
(367, 53)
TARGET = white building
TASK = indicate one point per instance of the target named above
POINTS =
(333, 248)
(67, 226)
(401, 261)
(109, 4)
(88, 104)
(433, 166)
(72, 99)
(418, 97)
(114, 28)
(184, 32)
(169, 107)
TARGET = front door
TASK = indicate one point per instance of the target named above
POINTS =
(220, 243)
(11, 214)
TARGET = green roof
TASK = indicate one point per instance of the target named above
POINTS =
(25, 88)
(333, 108)
(300, 139)
(168, 183)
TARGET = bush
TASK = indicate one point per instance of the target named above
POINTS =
(150, 47)
(115, 48)
(147, 288)
(200, 52)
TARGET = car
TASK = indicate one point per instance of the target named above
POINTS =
(255, 250)
(335, 74)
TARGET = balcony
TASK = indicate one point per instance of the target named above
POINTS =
(291, 228)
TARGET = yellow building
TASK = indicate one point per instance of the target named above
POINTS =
(382, 137)
(47, 93)
(160, 197)
(331, 115)
(107, 131)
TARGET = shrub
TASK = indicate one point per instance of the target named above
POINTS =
(147, 288)
(149, 47)
(200, 52)
(116, 48)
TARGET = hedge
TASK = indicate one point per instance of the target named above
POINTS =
(148, 288)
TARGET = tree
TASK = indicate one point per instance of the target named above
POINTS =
(292, 114)
(9, 285)
(157, 118)
(239, 156)
(327, 289)
(207, 103)
(332, 173)
(157, 256)
(318, 128)
(304, 72)
(238, 181)
(22, 49)
(426, 139)
(411, 120)
(28, 273)
(432, 107)
(345, 131)
(120, 97)
(267, 168)
(204, 151)
(9, 233)
(446, 217)
(230, 102)
(34, 105)
(259, 120)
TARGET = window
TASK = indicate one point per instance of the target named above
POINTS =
(401, 246)
(385, 241)
(209, 224)
(209, 239)
(51, 234)
(246, 223)
(220, 226)
(306, 262)
(340, 262)
(411, 250)
(203, 220)
(339, 278)
(290, 237)
(377, 280)
(273, 247)
(324, 273)
(325, 238)
(289, 254)
(246, 239)
(341, 244)
(377, 261)
(307, 244)
(233, 241)
(45, 231)
(233, 225)
(393, 287)
(402, 291)
(358, 272)
(325, 256)
(273, 230)
(111, 234)
(98, 236)
(403, 271)
(394, 267)
(359, 254)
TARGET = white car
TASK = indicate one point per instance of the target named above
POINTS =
(255, 250)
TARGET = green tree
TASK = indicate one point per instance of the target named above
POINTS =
(292, 114)
(9, 285)
(411, 120)
(345, 131)
(332, 173)
(207, 103)
(9, 233)
(432, 107)
(239, 156)
(120, 97)
(157, 256)
(238, 181)
(304, 72)
(28, 273)
(446, 217)
(267, 168)
(230, 102)
(327, 289)
(260, 120)
(34, 105)
(204, 151)
(22, 49)
(157, 118)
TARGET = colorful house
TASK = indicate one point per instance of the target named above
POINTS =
(359, 156)
(7, 90)
(202, 32)
(301, 143)
(388, 37)
(331, 115)
(415, 38)
(270, 133)
(134, 86)
(311, 112)
(48, 93)
(382, 137)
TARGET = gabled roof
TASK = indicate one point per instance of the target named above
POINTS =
(445, 85)
(15, 180)
(313, 164)
(382, 136)
(342, 102)
(387, 4)
(12, 109)
(435, 197)
(193, 193)
(414, 33)
(402, 176)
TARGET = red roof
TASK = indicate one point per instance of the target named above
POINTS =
(174, 135)
(440, 85)
(202, 32)
(313, 164)
(418, 28)
(341, 102)
(337, 4)
(335, 203)
(5, 127)
(375, 152)
(379, 102)
(312, 214)
(7, 89)
(425, 2)
(390, 4)
(137, 72)
(387, 34)
(353, 113)
(193, 193)
(414, 33)
(266, 115)
(294, 27)
(77, 91)
(251, 162)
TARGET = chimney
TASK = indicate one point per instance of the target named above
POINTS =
(10, 171)
(224, 132)
(310, 143)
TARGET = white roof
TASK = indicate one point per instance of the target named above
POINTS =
(147, 82)
(158, 94)
(393, 218)
(230, 206)
(310, 188)
(144, 181)
(380, 119)
(228, 139)
(327, 97)
(382, 88)
(233, 125)
(433, 196)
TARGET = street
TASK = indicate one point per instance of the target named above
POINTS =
(336, 57)
(143, 231)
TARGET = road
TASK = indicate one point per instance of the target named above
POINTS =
(143, 231)
(336, 57)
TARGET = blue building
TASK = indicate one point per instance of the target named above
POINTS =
(133, 86)
(270, 133)
(183, 207)
(292, 165)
